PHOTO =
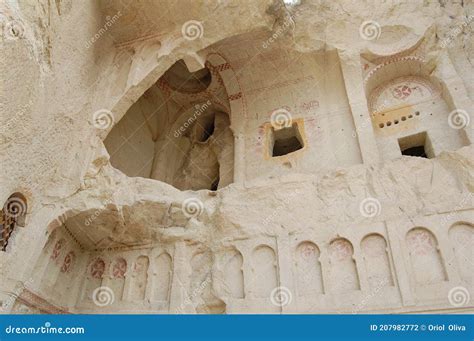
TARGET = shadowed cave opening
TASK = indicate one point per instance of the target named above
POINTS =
(205, 128)
(177, 132)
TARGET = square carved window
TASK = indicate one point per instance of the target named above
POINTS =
(285, 140)
(418, 145)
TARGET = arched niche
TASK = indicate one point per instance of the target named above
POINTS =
(44, 258)
(94, 276)
(177, 132)
(68, 262)
(53, 264)
(162, 280)
(425, 257)
(343, 269)
(117, 281)
(264, 271)
(58, 249)
(308, 268)
(65, 278)
(59, 269)
(461, 236)
(233, 274)
(139, 279)
(377, 262)
(410, 110)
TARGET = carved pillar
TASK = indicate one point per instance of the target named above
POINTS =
(396, 236)
(239, 157)
(325, 272)
(178, 284)
(360, 268)
(285, 271)
(149, 279)
(42, 264)
(247, 271)
(448, 255)
(128, 277)
(354, 83)
(457, 95)
(36, 250)
(78, 282)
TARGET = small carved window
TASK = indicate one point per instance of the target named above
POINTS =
(285, 140)
(12, 214)
(417, 145)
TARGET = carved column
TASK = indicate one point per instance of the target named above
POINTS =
(448, 255)
(239, 157)
(354, 83)
(457, 96)
(128, 277)
(78, 282)
(360, 268)
(395, 233)
(285, 272)
(178, 284)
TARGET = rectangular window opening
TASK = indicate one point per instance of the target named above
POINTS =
(418, 145)
(286, 140)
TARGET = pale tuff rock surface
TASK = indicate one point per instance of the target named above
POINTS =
(236, 156)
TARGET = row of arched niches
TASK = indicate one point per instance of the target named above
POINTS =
(395, 267)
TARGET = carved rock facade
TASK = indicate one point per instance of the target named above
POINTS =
(244, 164)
